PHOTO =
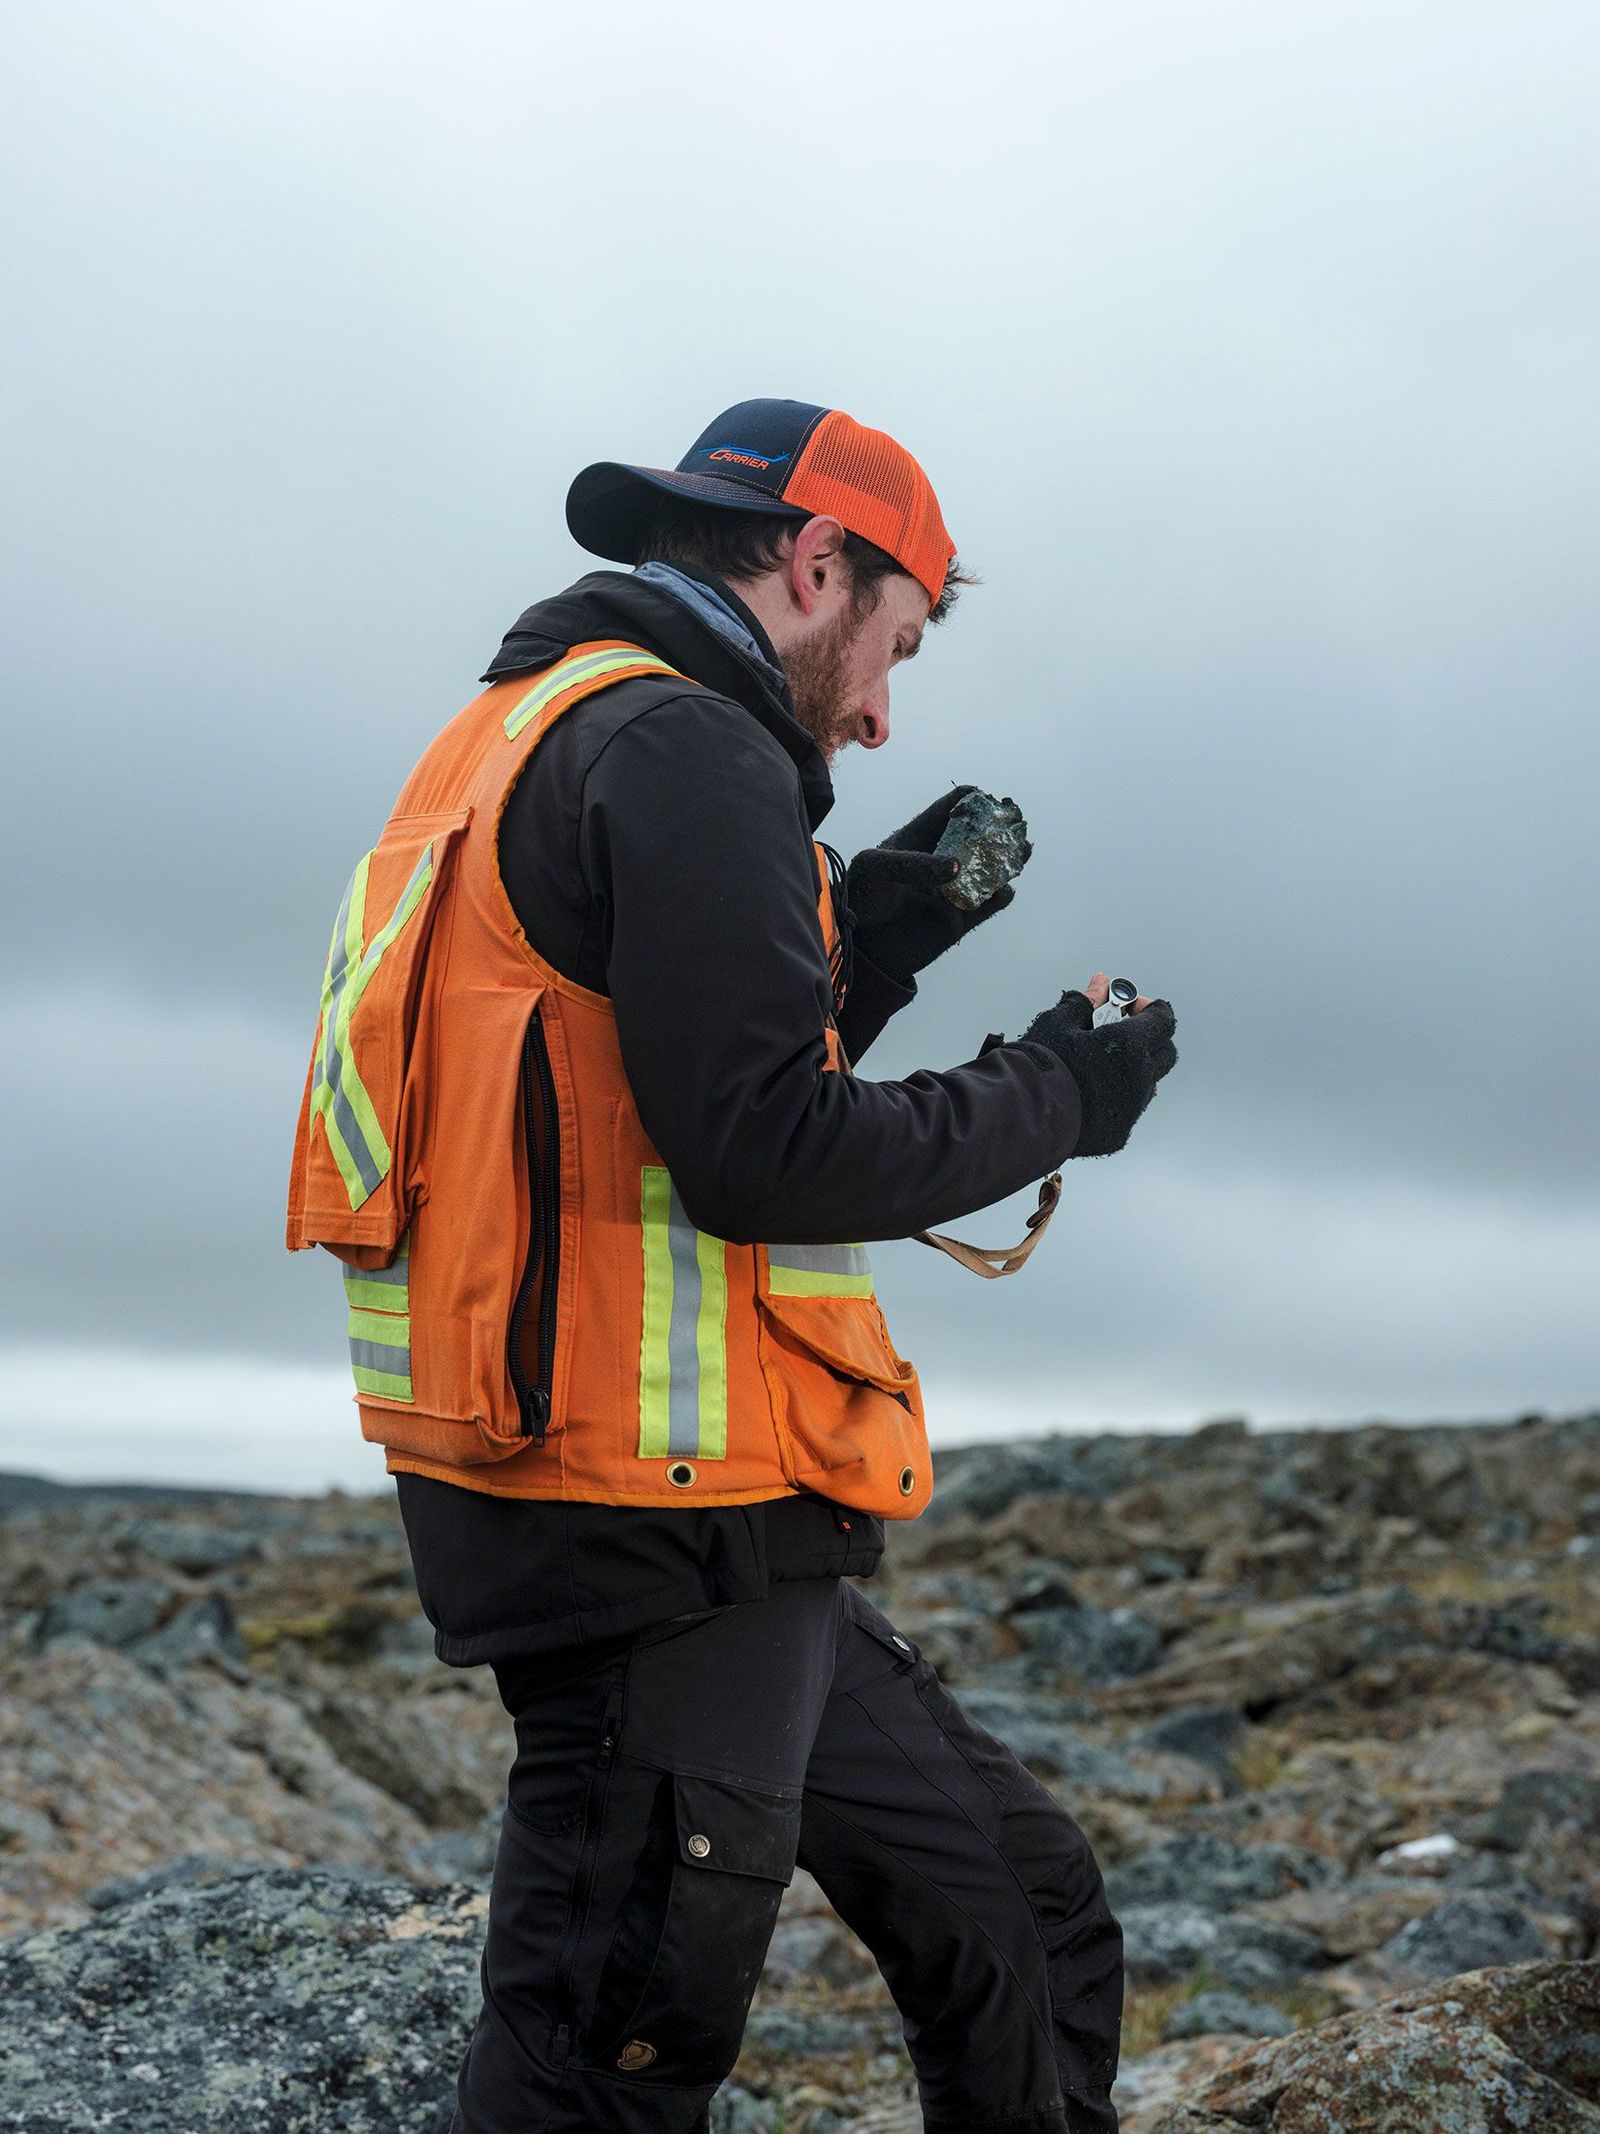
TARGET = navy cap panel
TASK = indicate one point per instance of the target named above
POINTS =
(610, 506)
(755, 443)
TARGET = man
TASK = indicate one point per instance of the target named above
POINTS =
(583, 1126)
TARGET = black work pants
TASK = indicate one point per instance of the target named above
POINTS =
(661, 1797)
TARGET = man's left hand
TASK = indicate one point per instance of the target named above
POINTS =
(895, 893)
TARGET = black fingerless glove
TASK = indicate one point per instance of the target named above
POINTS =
(899, 916)
(1115, 1067)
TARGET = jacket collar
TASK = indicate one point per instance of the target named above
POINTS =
(615, 604)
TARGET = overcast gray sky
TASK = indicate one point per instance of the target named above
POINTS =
(1252, 351)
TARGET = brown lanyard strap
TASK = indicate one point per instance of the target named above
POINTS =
(979, 1258)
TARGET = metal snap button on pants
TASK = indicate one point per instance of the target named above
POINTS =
(665, 1788)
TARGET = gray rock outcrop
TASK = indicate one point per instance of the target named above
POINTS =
(308, 2002)
(1326, 1701)
(1495, 2052)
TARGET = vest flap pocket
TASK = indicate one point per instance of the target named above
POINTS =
(730, 1825)
(822, 1297)
(351, 1160)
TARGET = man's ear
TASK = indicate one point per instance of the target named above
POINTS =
(816, 562)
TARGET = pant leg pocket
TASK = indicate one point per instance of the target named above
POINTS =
(681, 1971)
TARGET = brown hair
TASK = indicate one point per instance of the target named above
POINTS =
(745, 544)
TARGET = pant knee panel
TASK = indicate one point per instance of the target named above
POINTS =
(1055, 1865)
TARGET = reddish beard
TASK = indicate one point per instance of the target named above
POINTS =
(818, 672)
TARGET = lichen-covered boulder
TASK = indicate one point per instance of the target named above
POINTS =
(328, 2001)
(1511, 2051)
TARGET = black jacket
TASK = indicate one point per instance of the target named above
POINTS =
(658, 850)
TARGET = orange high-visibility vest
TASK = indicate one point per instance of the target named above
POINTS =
(531, 1312)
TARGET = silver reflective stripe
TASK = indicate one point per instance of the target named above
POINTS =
(340, 1097)
(381, 1356)
(384, 1289)
(350, 1129)
(819, 1271)
(380, 1326)
(338, 971)
(410, 897)
(683, 1410)
(395, 1275)
(351, 1151)
(821, 1259)
(683, 1346)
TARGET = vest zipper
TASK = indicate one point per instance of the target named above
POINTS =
(544, 1234)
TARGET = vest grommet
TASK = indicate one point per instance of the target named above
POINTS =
(681, 1473)
(699, 1846)
(636, 2053)
(908, 1481)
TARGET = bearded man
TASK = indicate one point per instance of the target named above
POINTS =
(672, 1451)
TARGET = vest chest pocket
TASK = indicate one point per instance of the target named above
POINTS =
(354, 1146)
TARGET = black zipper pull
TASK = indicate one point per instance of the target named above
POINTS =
(536, 1413)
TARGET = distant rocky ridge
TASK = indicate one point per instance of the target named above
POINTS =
(19, 1490)
(1327, 1701)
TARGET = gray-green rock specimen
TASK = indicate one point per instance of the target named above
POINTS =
(987, 836)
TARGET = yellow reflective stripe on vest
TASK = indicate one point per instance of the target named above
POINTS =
(683, 1352)
(574, 672)
(338, 1095)
(347, 1135)
(819, 1271)
(380, 1326)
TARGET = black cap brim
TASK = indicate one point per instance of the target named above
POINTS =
(610, 507)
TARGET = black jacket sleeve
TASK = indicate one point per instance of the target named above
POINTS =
(871, 999)
(695, 844)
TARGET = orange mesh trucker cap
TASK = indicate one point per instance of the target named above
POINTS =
(785, 457)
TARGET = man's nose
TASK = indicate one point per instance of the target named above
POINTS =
(875, 718)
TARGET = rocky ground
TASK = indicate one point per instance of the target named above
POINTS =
(1327, 1701)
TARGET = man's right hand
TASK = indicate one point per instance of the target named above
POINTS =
(1116, 1066)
